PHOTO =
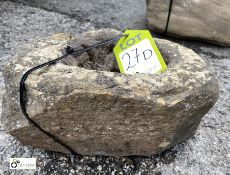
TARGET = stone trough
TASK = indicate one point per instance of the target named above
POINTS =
(85, 102)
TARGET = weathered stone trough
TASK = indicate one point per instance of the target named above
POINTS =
(85, 102)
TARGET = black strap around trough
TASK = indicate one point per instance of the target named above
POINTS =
(22, 90)
(169, 15)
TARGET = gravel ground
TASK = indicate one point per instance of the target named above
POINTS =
(119, 14)
(208, 152)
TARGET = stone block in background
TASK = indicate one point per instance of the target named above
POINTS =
(90, 106)
(198, 19)
(119, 14)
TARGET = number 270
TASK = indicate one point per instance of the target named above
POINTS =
(146, 57)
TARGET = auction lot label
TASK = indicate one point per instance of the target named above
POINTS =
(138, 53)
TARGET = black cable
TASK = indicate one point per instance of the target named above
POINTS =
(169, 15)
(22, 90)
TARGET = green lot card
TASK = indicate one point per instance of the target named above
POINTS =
(138, 53)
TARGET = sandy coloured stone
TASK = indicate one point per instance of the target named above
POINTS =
(198, 19)
(89, 105)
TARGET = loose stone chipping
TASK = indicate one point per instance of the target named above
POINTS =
(88, 104)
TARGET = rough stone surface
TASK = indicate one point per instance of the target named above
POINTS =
(208, 152)
(99, 112)
(199, 19)
(117, 14)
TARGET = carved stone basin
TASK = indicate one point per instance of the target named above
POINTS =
(85, 102)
